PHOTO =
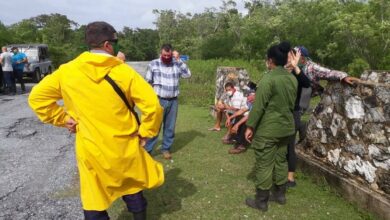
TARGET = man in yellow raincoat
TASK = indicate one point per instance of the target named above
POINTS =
(110, 160)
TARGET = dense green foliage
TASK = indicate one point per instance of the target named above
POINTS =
(349, 35)
(66, 38)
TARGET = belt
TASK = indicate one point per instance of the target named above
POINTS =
(168, 99)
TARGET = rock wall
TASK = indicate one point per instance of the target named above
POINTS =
(236, 75)
(349, 131)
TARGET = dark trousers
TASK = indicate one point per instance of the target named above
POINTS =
(135, 203)
(19, 76)
(9, 81)
(2, 83)
(291, 155)
(240, 136)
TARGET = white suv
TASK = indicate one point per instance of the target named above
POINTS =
(39, 64)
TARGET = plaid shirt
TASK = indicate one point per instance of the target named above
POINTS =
(316, 72)
(164, 78)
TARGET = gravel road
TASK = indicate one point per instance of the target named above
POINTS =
(38, 172)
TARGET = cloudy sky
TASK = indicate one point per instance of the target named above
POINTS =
(120, 13)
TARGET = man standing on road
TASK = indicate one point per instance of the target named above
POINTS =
(111, 161)
(6, 64)
(164, 74)
(18, 61)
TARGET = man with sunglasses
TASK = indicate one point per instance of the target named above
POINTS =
(111, 161)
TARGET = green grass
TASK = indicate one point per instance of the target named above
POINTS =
(204, 182)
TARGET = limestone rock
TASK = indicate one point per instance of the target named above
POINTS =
(384, 165)
(375, 115)
(373, 151)
(334, 156)
(350, 130)
(236, 75)
(337, 123)
(357, 149)
(354, 108)
(320, 151)
(364, 168)
(357, 128)
(384, 181)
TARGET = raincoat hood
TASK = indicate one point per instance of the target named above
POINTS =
(96, 65)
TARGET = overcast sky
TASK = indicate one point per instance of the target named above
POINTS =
(119, 13)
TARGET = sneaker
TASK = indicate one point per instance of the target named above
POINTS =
(167, 155)
(291, 184)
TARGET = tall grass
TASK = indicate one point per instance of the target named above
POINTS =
(199, 90)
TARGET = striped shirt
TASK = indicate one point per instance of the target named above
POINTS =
(164, 78)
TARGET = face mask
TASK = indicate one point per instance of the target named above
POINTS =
(166, 60)
(229, 93)
(115, 46)
(267, 65)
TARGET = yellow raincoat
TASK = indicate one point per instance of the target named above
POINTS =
(110, 161)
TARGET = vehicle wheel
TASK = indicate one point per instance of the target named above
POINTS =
(37, 75)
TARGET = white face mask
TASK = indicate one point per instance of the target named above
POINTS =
(229, 93)
(267, 65)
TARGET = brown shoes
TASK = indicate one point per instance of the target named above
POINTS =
(237, 149)
(167, 155)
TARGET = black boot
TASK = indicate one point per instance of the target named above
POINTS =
(139, 215)
(278, 194)
(261, 200)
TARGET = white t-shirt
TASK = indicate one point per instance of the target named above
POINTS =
(237, 101)
(6, 58)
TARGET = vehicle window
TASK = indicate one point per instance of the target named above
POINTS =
(31, 53)
(43, 55)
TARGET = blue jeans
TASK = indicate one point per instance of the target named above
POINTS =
(9, 81)
(19, 76)
(168, 125)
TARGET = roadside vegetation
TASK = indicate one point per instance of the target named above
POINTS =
(349, 35)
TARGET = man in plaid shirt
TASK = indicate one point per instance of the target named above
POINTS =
(164, 74)
(316, 72)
